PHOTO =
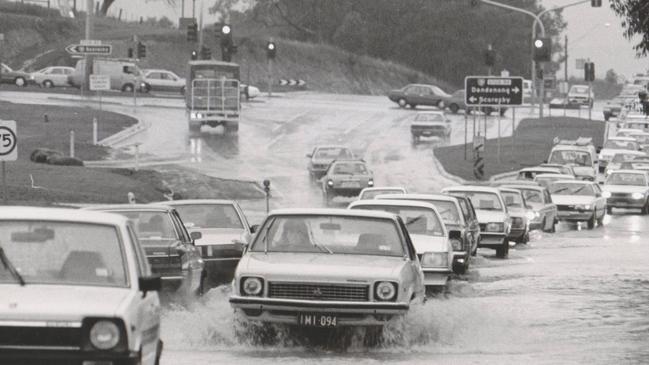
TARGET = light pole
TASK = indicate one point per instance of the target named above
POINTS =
(537, 20)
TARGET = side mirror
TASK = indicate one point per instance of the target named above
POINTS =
(196, 235)
(254, 228)
(545, 161)
(126, 70)
(150, 283)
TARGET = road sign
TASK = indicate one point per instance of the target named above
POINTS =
(563, 87)
(478, 143)
(8, 141)
(504, 73)
(89, 49)
(90, 42)
(292, 82)
(99, 82)
(493, 91)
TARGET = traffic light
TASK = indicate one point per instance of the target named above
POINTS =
(141, 50)
(129, 53)
(192, 32)
(227, 45)
(542, 49)
(589, 71)
(194, 55)
(271, 50)
(490, 57)
(206, 53)
(596, 3)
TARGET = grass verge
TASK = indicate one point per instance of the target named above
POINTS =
(533, 142)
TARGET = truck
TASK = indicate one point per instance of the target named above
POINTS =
(212, 95)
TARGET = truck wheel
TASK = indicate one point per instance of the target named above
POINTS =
(454, 108)
(591, 222)
(503, 251)
(20, 81)
(402, 103)
(232, 129)
(158, 352)
(127, 88)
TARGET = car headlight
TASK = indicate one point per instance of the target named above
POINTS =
(495, 227)
(637, 195)
(194, 115)
(531, 214)
(583, 206)
(434, 259)
(456, 243)
(104, 335)
(370, 182)
(330, 183)
(385, 290)
(252, 286)
(606, 194)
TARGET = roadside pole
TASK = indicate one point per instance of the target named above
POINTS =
(134, 94)
(466, 132)
(498, 133)
(513, 130)
(4, 182)
(474, 123)
(94, 131)
(270, 78)
(89, 59)
(590, 107)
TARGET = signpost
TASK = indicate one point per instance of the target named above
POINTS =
(478, 164)
(8, 149)
(99, 83)
(89, 49)
(493, 91)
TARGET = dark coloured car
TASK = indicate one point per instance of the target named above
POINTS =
(224, 233)
(419, 94)
(457, 101)
(169, 247)
(322, 156)
(346, 178)
(9, 76)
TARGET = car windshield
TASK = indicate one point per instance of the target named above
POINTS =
(621, 178)
(482, 200)
(151, 225)
(429, 117)
(561, 188)
(512, 199)
(63, 253)
(332, 153)
(621, 144)
(328, 234)
(350, 168)
(579, 90)
(210, 216)
(447, 210)
(418, 220)
(636, 125)
(532, 196)
(371, 194)
(641, 138)
(579, 158)
(622, 157)
(439, 91)
(631, 165)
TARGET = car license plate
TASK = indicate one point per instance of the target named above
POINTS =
(317, 320)
(351, 184)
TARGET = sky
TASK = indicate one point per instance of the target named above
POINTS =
(587, 30)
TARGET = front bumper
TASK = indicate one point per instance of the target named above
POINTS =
(625, 203)
(491, 239)
(286, 310)
(349, 192)
(516, 233)
(436, 277)
(429, 131)
(66, 357)
(575, 215)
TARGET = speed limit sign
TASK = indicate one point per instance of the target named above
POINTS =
(8, 141)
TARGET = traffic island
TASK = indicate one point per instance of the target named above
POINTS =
(530, 147)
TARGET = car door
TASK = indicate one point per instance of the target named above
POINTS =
(57, 76)
(550, 208)
(147, 307)
(166, 82)
(472, 223)
(600, 201)
(463, 209)
(411, 94)
(246, 225)
(193, 255)
(415, 272)
(154, 80)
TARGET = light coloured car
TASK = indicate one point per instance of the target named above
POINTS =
(627, 189)
(322, 156)
(53, 76)
(529, 173)
(579, 201)
(224, 232)
(460, 220)
(581, 94)
(626, 132)
(495, 222)
(614, 145)
(430, 124)
(563, 169)
(346, 178)
(249, 91)
(642, 138)
(579, 153)
(621, 157)
(639, 122)
(163, 80)
(543, 212)
(427, 232)
(517, 209)
(328, 268)
(371, 193)
(546, 179)
(76, 288)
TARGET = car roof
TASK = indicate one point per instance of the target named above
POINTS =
(131, 207)
(156, 70)
(555, 175)
(622, 138)
(378, 188)
(477, 188)
(583, 182)
(173, 203)
(330, 146)
(355, 160)
(332, 211)
(393, 202)
(628, 171)
(59, 214)
(630, 152)
(506, 183)
(522, 186)
(540, 168)
(509, 190)
(443, 197)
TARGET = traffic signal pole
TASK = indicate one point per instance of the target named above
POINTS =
(88, 67)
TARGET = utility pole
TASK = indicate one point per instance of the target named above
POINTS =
(565, 62)
(194, 9)
(88, 69)
(182, 9)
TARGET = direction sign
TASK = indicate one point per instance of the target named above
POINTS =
(89, 49)
(99, 82)
(8, 141)
(493, 91)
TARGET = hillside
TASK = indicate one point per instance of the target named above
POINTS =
(33, 42)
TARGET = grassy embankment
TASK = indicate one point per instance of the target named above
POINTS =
(533, 142)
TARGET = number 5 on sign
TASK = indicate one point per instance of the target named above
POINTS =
(8, 141)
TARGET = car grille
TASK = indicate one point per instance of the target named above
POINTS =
(328, 292)
(620, 195)
(222, 251)
(565, 207)
(34, 337)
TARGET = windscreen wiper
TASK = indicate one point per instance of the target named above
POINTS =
(266, 236)
(10, 267)
(322, 247)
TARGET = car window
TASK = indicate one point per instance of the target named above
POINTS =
(371, 194)
(430, 117)
(448, 210)
(143, 268)
(482, 200)
(180, 227)
(68, 253)
(327, 234)
(333, 153)
(411, 90)
(56, 71)
(350, 169)
(151, 225)
(210, 216)
(579, 158)
(532, 196)
(622, 157)
(512, 199)
(560, 188)
(621, 178)
(619, 144)
(418, 220)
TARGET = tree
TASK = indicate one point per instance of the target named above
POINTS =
(611, 76)
(634, 14)
(106, 4)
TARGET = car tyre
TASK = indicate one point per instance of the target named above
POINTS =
(454, 108)
(600, 220)
(503, 251)
(413, 106)
(402, 103)
(525, 239)
(553, 228)
(158, 352)
(20, 81)
(48, 84)
(440, 104)
(182, 90)
(645, 208)
(609, 210)
(461, 269)
(127, 88)
(591, 222)
(415, 139)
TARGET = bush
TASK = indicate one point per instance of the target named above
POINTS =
(27, 9)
